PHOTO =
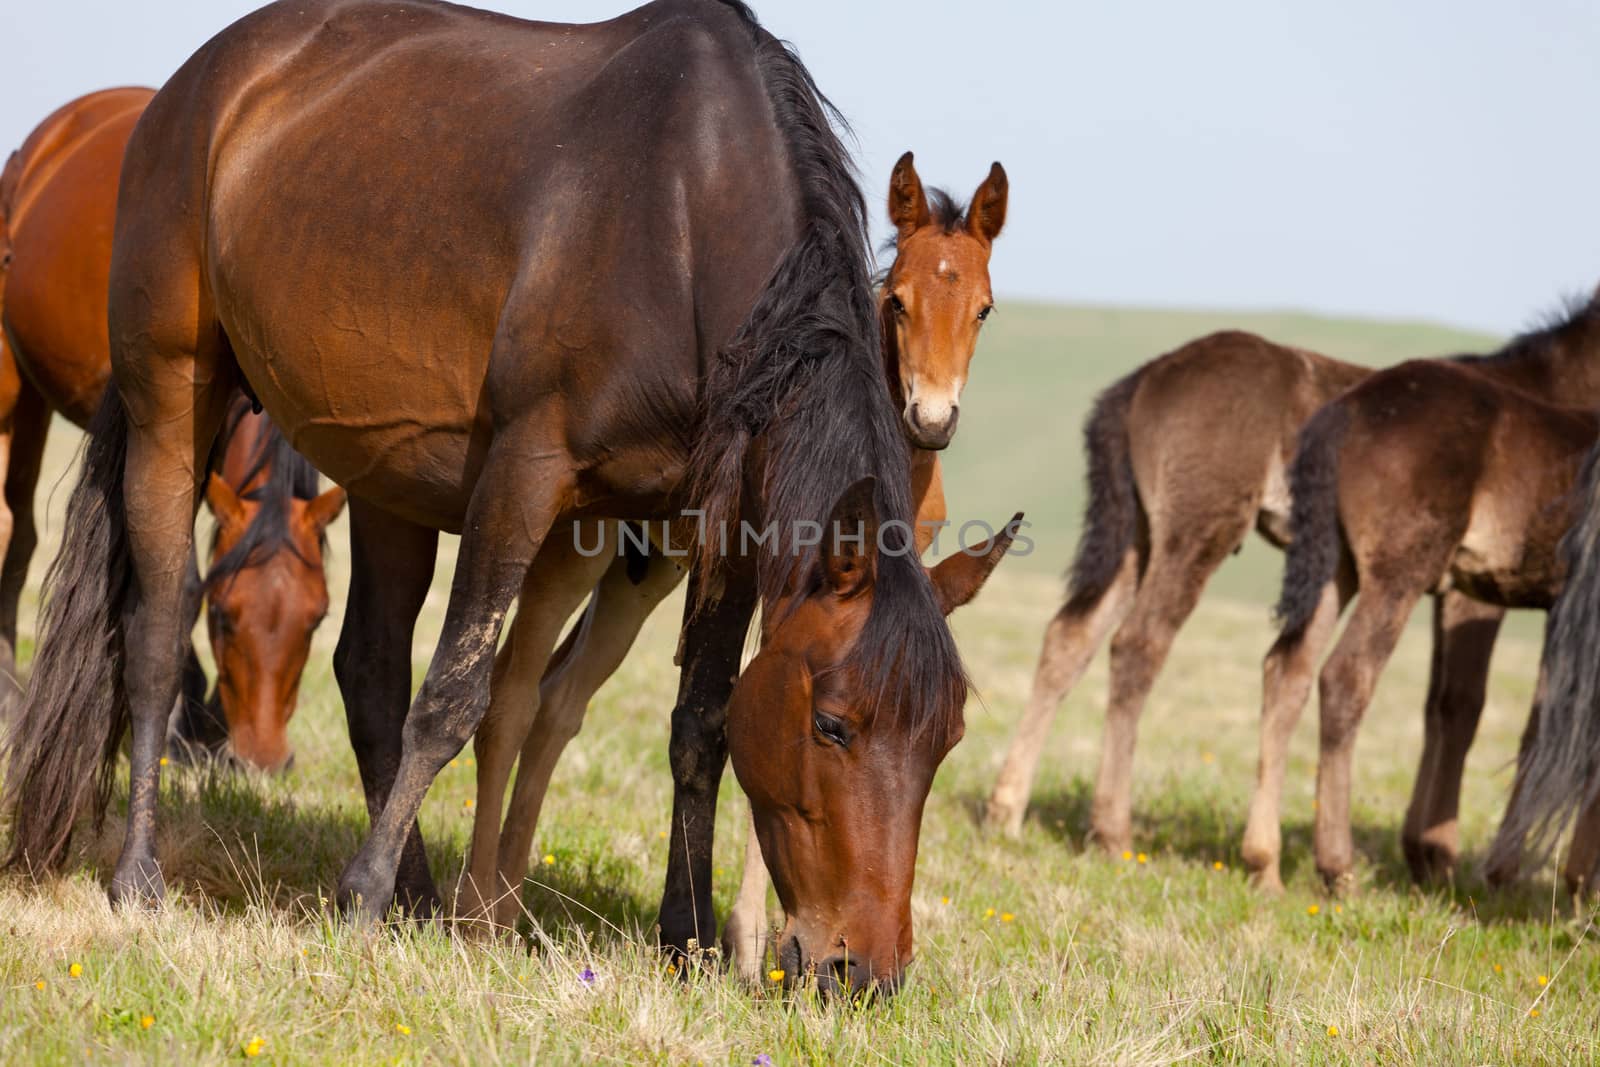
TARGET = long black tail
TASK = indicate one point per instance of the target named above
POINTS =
(1556, 767)
(1313, 519)
(62, 749)
(1111, 513)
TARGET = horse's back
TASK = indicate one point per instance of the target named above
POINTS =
(60, 197)
(1212, 424)
(367, 192)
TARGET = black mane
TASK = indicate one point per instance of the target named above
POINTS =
(288, 476)
(804, 376)
(1573, 315)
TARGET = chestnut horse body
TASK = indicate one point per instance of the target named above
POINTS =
(58, 202)
(515, 301)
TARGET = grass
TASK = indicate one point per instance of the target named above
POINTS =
(1162, 957)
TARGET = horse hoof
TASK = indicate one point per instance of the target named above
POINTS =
(1431, 864)
(1267, 881)
(137, 884)
(1339, 883)
(1114, 843)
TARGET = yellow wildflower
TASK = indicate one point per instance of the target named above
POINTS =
(163, 761)
(549, 859)
(1127, 856)
(1313, 909)
(39, 985)
(988, 913)
(146, 1021)
(402, 1029)
(1143, 858)
(944, 900)
(75, 971)
(1533, 1013)
(775, 975)
(1006, 916)
(1216, 865)
(1497, 968)
(1333, 1031)
(1544, 979)
(254, 1047)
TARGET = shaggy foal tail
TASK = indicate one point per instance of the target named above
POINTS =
(62, 749)
(1313, 519)
(1561, 751)
(1111, 513)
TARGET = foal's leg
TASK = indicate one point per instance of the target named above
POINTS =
(391, 567)
(744, 936)
(1290, 666)
(1070, 642)
(1172, 583)
(712, 642)
(1464, 632)
(1344, 691)
(555, 585)
(590, 654)
(513, 506)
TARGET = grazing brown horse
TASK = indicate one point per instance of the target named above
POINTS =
(631, 274)
(935, 298)
(265, 582)
(1486, 471)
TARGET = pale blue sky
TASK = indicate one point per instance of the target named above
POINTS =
(1422, 158)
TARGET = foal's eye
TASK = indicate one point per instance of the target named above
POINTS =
(896, 304)
(985, 312)
(831, 729)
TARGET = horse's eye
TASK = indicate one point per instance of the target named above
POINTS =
(219, 619)
(831, 729)
(985, 312)
(896, 304)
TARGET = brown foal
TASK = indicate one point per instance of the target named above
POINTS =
(1487, 471)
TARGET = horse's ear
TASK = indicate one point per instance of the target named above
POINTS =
(322, 510)
(987, 215)
(957, 579)
(225, 503)
(908, 204)
(850, 542)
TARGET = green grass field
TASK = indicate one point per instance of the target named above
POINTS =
(1032, 951)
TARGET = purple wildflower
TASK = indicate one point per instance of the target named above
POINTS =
(762, 1060)
(586, 976)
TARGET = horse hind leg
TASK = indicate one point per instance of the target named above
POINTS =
(391, 567)
(1174, 578)
(554, 587)
(1070, 642)
(513, 508)
(1464, 633)
(1287, 674)
(591, 653)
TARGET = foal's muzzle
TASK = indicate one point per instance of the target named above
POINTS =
(931, 430)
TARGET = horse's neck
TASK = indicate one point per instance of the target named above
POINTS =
(241, 464)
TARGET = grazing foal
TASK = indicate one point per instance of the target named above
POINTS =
(1487, 472)
(934, 299)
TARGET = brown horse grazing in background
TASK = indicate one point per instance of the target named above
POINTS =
(265, 582)
(672, 309)
(1486, 471)
(935, 298)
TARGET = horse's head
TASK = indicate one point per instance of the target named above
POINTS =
(936, 295)
(262, 612)
(836, 785)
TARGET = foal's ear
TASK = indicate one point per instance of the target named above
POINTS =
(322, 510)
(987, 215)
(957, 579)
(225, 503)
(908, 204)
(850, 542)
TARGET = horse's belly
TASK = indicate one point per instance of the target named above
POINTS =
(391, 425)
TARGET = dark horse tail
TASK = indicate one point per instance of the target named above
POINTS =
(1111, 513)
(62, 748)
(1561, 750)
(1313, 519)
